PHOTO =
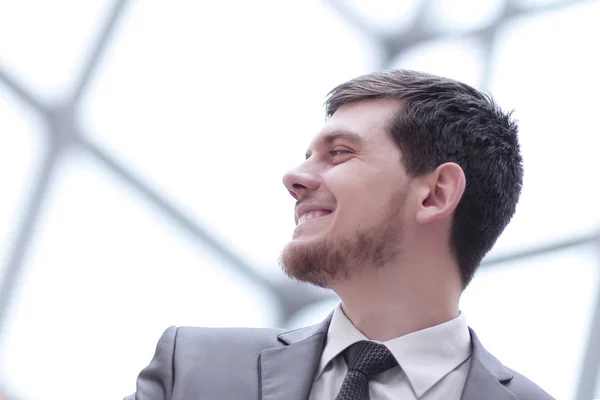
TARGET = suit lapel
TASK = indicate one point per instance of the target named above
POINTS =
(487, 375)
(287, 372)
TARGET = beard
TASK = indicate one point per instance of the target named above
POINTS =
(325, 261)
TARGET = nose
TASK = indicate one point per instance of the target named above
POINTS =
(300, 181)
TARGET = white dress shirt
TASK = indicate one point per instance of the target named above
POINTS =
(433, 362)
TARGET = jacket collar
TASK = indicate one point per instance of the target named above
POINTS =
(487, 376)
(491, 363)
(287, 372)
(301, 334)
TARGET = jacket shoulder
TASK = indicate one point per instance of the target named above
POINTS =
(191, 361)
(223, 346)
(266, 337)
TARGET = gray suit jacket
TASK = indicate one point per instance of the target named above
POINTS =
(271, 364)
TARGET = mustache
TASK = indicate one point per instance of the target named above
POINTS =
(314, 200)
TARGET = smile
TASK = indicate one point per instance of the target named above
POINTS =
(313, 215)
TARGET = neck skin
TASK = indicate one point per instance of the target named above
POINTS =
(420, 291)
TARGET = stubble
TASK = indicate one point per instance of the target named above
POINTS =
(326, 261)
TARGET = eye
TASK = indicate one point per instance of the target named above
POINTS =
(338, 152)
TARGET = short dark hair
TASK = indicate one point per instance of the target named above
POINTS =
(443, 120)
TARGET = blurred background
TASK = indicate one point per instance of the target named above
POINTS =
(142, 146)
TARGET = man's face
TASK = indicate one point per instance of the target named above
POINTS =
(351, 196)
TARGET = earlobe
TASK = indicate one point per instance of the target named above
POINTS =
(446, 185)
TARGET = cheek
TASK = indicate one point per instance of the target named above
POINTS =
(362, 198)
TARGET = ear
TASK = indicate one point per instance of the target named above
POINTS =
(441, 192)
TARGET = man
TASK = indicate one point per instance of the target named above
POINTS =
(402, 193)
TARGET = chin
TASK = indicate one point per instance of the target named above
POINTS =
(312, 259)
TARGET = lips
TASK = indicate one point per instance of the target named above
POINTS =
(305, 212)
(313, 214)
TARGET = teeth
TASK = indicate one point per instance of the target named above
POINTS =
(312, 214)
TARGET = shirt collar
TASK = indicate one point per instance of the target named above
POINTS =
(426, 356)
(340, 335)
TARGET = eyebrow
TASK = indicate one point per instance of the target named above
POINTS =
(332, 136)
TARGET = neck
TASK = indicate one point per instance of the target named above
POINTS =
(384, 304)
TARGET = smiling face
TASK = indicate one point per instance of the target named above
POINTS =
(351, 196)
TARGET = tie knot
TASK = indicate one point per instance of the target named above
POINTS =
(369, 358)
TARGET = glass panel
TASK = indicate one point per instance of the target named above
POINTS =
(459, 59)
(385, 15)
(43, 43)
(105, 277)
(522, 309)
(214, 119)
(448, 15)
(314, 313)
(538, 3)
(543, 70)
(20, 154)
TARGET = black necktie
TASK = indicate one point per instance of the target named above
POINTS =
(365, 360)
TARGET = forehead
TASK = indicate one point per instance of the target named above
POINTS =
(366, 121)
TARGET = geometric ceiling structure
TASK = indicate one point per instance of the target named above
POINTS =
(121, 138)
